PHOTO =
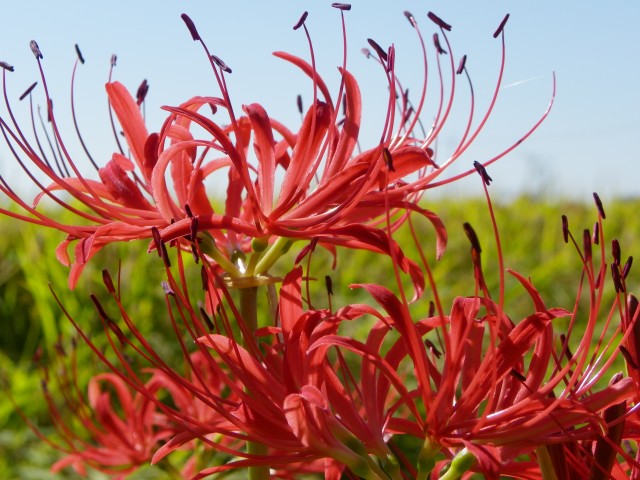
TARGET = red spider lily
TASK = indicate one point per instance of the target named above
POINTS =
(328, 192)
(121, 429)
(120, 442)
(285, 395)
(127, 419)
(609, 454)
(499, 396)
(494, 390)
(289, 398)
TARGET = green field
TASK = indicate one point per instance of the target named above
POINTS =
(532, 244)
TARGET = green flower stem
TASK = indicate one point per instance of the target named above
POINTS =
(427, 458)
(544, 461)
(460, 464)
(208, 246)
(249, 312)
(253, 263)
(249, 307)
(273, 253)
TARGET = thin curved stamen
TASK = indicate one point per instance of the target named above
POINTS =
(113, 61)
(66, 158)
(443, 110)
(423, 94)
(73, 108)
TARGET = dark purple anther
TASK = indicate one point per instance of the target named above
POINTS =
(586, 243)
(79, 53)
(388, 159)
(223, 66)
(617, 281)
(329, 284)
(627, 267)
(188, 211)
(191, 26)
(299, 103)
(157, 239)
(596, 234)
(300, 22)
(599, 205)
(565, 229)
(473, 238)
(341, 6)
(381, 53)
(35, 49)
(438, 21)
(436, 42)
(195, 223)
(501, 26)
(113, 326)
(461, 65)
(6, 66)
(411, 18)
(165, 255)
(108, 282)
(632, 309)
(204, 277)
(114, 59)
(143, 89)
(28, 90)
(615, 251)
(483, 172)
(207, 320)
(98, 307)
(432, 348)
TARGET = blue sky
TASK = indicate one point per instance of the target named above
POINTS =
(589, 143)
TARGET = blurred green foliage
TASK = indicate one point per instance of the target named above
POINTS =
(30, 318)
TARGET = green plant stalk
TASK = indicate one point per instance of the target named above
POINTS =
(427, 458)
(460, 464)
(275, 251)
(249, 312)
(544, 461)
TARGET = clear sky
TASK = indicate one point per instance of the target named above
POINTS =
(589, 143)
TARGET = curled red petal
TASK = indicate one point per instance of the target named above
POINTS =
(121, 187)
(264, 145)
(131, 121)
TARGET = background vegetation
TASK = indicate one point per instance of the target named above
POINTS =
(30, 318)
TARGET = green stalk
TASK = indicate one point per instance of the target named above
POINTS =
(249, 312)
(545, 463)
(273, 253)
(460, 464)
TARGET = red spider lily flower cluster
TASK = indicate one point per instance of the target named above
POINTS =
(328, 192)
(286, 392)
(476, 390)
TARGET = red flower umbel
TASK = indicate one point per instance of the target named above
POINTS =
(329, 190)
